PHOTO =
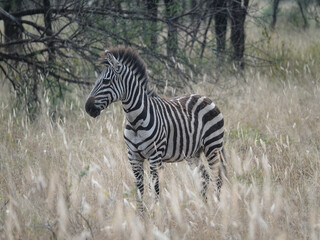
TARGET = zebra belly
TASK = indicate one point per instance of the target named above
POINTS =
(168, 149)
(183, 142)
(179, 150)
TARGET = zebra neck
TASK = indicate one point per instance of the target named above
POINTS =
(137, 103)
(139, 111)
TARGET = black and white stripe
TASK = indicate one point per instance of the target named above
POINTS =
(158, 129)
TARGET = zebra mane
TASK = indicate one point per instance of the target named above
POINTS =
(128, 57)
(131, 59)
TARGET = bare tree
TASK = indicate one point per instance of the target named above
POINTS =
(238, 13)
(220, 11)
(48, 27)
(12, 26)
(152, 10)
(193, 7)
(58, 43)
(301, 6)
(172, 21)
(275, 7)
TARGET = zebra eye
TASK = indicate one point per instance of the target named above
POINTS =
(106, 81)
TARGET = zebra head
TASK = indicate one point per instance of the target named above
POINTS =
(107, 88)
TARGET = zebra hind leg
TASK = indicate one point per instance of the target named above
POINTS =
(222, 167)
(193, 163)
(216, 164)
(204, 181)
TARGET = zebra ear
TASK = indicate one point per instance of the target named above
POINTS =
(112, 61)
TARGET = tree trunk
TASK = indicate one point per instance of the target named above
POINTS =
(204, 42)
(238, 12)
(275, 13)
(220, 12)
(208, 9)
(305, 21)
(172, 41)
(152, 9)
(48, 26)
(193, 15)
(12, 31)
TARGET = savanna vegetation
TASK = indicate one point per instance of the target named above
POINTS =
(64, 175)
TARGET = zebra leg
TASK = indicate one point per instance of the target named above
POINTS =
(155, 180)
(205, 181)
(193, 163)
(216, 164)
(222, 165)
(137, 168)
(155, 165)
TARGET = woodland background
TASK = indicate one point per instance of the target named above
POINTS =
(64, 175)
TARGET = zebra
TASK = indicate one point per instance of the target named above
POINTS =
(161, 130)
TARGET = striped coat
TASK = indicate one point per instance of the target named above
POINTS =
(158, 129)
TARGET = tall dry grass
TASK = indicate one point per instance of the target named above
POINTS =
(70, 178)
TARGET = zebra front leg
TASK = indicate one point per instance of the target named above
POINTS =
(137, 167)
(154, 167)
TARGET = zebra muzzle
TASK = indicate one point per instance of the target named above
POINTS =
(91, 109)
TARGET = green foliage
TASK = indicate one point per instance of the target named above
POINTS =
(174, 9)
(32, 96)
(287, 57)
(267, 12)
(289, 13)
(56, 91)
(84, 171)
(248, 133)
(292, 61)
(294, 17)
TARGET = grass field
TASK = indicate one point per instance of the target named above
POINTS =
(69, 178)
